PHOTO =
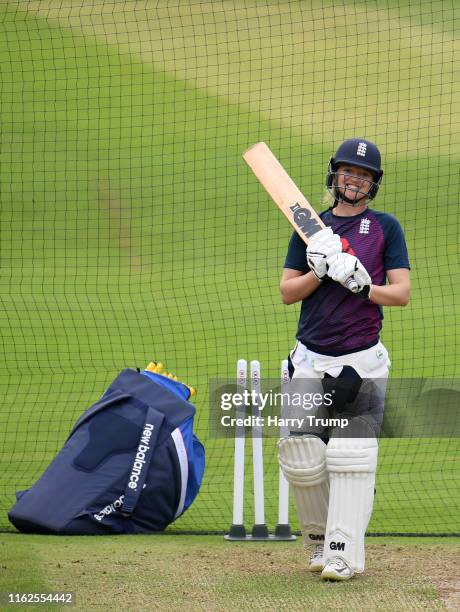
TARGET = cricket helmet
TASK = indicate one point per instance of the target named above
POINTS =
(356, 152)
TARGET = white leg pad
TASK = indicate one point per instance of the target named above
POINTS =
(351, 464)
(303, 462)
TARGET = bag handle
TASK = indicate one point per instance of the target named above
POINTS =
(142, 459)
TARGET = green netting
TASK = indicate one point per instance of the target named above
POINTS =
(131, 229)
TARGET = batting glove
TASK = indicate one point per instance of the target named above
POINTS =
(345, 268)
(322, 245)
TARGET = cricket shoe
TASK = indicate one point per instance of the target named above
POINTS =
(337, 569)
(317, 559)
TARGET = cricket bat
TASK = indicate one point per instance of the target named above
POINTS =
(286, 195)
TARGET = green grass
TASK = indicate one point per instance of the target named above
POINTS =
(161, 572)
(131, 229)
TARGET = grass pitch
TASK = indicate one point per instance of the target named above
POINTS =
(206, 573)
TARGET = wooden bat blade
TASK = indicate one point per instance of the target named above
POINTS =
(283, 191)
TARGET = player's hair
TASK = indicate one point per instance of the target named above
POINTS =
(328, 199)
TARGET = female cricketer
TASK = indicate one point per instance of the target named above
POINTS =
(332, 472)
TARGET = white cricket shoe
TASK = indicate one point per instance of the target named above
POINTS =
(337, 569)
(317, 559)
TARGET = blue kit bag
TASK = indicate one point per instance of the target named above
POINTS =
(131, 464)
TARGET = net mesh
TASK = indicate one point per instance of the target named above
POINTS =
(131, 229)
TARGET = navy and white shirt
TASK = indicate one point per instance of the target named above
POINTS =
(334, 321)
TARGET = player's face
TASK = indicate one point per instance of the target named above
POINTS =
(353, 182)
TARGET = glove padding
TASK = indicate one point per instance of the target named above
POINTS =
(343, 268)
(322, 245)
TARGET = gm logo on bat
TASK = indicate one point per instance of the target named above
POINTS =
(302, 217)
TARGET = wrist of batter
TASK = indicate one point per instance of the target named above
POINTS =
(365, 292)
(318, 278)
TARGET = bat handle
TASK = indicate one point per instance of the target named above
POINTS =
(352, 285)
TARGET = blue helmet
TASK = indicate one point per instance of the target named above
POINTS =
(356, 152)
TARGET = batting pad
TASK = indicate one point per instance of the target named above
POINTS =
(303, 462)
(351, 464)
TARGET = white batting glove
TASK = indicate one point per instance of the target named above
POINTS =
(322, 245)
(345, 268)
